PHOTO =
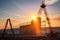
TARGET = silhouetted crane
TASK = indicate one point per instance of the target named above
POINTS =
(43, 8)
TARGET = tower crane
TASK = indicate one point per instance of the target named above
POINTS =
(43, 8)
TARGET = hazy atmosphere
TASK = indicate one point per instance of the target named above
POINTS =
(20, 11)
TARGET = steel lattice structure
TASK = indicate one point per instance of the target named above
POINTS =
(43, 8)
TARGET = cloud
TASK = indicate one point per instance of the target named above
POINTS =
(49, 2)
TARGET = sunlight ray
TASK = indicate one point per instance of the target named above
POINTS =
(18, 15)
(19, 6)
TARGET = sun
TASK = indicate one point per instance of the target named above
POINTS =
(34, 18)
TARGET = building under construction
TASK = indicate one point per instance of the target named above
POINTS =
(31, 29)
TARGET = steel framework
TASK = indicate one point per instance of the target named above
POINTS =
(43, 8)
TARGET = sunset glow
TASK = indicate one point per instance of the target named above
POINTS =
(22, 11)
(34, 18)
(37, 25)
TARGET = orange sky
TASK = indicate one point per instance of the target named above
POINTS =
(55, 22)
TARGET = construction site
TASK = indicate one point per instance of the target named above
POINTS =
(33, 30)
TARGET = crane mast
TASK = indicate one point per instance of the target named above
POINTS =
(43, 8)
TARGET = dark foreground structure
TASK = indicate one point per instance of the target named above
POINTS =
(30, 38)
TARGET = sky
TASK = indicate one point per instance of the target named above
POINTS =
(20, 11)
